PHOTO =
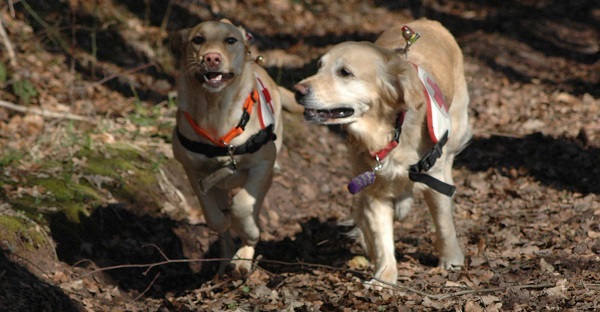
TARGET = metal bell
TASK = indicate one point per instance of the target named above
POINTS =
(409, 35)
(260, 60)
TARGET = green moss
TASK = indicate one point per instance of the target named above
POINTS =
(111, 160)
(134, 173)
(116, 171)
(17, 232)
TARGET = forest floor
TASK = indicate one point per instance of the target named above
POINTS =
(90, 219)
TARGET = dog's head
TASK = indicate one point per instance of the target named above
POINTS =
(359, 82)
(213, 53)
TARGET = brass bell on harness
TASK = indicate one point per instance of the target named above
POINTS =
(409, 35)
(260, 60)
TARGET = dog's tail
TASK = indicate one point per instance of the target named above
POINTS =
(288, 101)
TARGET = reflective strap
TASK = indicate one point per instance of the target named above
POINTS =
(266, 112)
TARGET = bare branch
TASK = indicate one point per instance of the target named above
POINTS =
(147, 288)
(45, 113)
(331, 268)
(8, 44)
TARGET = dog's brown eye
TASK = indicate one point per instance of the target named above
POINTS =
(345, 73)
(198, 40)
(230, 40)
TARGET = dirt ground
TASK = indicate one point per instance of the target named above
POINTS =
(527, 204)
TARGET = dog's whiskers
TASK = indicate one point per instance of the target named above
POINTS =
(192, 67)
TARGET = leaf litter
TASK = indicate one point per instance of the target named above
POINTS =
(527, 206)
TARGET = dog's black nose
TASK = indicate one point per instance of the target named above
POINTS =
(301, 91)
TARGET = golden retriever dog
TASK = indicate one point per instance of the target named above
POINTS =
(228, 132)
(403, 103)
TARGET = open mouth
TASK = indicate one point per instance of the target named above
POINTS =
(214, 78)
(327, 115)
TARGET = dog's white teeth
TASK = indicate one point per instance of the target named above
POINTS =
(213, 78)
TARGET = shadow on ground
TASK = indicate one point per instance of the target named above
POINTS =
(563, 164)
(113, 236)
(27, 292)
(319, 242)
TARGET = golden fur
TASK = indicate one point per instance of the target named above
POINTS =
(363, 86)
(215, 104)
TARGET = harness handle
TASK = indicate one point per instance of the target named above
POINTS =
(415, 172)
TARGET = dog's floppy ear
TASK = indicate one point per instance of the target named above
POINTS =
(226, 21)
(406, 81)
(177, 43)
(248, 38)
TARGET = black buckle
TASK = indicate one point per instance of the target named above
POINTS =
(415, 175)
(425, 164)
(244, 120)
(429, 160)
(253, 144)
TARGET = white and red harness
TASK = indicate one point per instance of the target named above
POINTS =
(439, 124)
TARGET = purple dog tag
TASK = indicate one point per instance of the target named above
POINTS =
(361, 181)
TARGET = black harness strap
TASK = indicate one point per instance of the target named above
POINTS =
(252, 145)
(415, 171)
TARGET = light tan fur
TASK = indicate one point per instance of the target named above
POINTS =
(234, 201)
(377, 82)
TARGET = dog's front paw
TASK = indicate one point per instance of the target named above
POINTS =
(238, 269)
(453, 267)
(377, 285)
(453, 263)
(383, 280)
(241, 263)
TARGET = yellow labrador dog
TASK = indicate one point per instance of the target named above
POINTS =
(403, 103)
(228, 132)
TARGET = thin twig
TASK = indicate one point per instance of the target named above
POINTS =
(152, 265)
(215, 286)
(331, 268)
(165, 21)
(52, 32)
(159, 250)
(591, 286)
(85, 260)
(488, 290)
(45, 113)
(128, 71)
(147, 288)
(8, 45)
(11, 6)
(31, 263)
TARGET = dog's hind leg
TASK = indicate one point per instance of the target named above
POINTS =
(403, 206)
(213, 204)
(441, 208)
(227, 251)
